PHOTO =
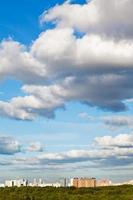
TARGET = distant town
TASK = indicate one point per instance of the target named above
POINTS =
(65, 182)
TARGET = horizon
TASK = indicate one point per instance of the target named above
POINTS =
(68, 179)
(66, 92)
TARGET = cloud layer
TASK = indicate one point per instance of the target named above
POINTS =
(108, 152)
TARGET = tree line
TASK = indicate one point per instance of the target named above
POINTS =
(50, 193)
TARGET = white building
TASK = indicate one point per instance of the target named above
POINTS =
(71, 182)
(17, 183)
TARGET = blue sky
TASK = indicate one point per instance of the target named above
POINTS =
(66, 101)
(20, 19)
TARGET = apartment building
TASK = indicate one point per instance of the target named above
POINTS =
(84, 182)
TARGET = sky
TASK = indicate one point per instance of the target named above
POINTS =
(66, 89)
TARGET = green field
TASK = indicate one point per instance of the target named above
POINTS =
(49, 193)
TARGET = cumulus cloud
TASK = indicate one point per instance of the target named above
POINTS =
(59, 67)
(9, 146)
(112, 18)
(122, 140)
(35, 147)
(16, 62)
(44, 100)
(64, 54)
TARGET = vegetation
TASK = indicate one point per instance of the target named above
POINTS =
(50, 193)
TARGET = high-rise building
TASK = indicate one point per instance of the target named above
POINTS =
(81, 182)
(75, 182)
(64, 182)
(84, 182)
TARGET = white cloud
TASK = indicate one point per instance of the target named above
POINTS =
(122, 140)
(35, 147)
(58, 53)
(17, 62)
(93, 69)
(108, 152)
(110, 18)
(44, 100)
(9, 146)
(100, 157)
(67, 15)
(63, 54)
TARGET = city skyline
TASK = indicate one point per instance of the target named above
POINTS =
(77, 182)
(66, 92)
